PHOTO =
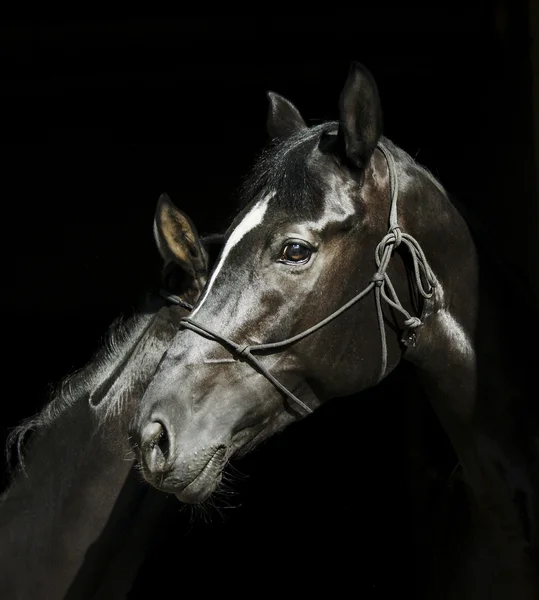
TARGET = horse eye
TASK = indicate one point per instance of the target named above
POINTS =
(296, 253)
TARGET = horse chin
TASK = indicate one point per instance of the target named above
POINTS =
(209, 477)
(199, 490)
(202, 486)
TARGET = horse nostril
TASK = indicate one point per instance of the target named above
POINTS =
(152, 434)
(155, 446)
(163, 442)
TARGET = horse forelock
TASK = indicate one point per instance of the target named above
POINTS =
(289, 167)
(286, 167)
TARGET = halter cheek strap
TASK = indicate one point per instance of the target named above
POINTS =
(380, 282)
(174, 299)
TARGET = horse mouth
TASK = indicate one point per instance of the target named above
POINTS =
(204, 483)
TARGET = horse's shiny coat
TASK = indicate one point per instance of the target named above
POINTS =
(253, 218)
(75, 503)
(326, 188)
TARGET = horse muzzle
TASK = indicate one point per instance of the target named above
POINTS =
(190, 475)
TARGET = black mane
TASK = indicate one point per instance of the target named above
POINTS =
(73, 387)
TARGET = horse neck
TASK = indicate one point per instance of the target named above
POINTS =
(467, 347)
(447, 337)
(66, 466)
(461, 360)
(59, 505)
(62, 496)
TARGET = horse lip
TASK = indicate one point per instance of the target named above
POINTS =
(216, 458)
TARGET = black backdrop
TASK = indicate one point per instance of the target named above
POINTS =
(100, 117)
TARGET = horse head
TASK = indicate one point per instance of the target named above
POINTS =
(319, 292)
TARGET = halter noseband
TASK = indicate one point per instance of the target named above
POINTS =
(379, 282)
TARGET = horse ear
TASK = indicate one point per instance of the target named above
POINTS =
(179, 244)
(283, 118)
(360, 125)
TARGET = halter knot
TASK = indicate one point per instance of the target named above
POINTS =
(397, 234)
(378, 278)
(243, 349)
(412, 322)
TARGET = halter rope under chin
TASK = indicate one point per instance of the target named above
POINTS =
(379, 281)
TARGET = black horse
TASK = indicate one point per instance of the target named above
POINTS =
(347, 259)
(76, 520)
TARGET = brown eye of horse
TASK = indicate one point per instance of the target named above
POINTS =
(296, 253)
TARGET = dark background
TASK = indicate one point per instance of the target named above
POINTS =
(99, 117)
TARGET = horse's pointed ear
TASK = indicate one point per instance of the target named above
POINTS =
(283, 118)
(179, 244)
(360, 125)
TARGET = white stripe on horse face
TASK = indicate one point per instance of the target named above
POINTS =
(250, 221)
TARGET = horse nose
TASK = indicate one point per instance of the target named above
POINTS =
(155, 445)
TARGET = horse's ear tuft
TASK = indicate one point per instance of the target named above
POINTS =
(360, 124)
(283, 119)
(178, 241)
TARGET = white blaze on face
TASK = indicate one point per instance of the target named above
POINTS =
(250, 221)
